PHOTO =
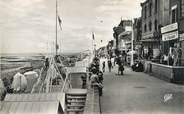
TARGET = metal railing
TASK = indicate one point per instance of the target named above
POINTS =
(67, 84)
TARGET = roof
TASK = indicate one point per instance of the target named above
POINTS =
(76, 69)
(35, 107)
(36, 97)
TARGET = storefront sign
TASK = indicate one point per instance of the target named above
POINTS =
(170, 36)
(169, 28)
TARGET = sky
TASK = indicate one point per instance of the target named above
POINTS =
(28, 26)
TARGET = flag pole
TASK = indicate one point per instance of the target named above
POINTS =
(56, 45)
(92, 43)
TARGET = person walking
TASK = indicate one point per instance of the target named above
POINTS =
(103, 66)
(109, 65)
(100, 83)
(121, 68)
(119, 63)
(112, 61)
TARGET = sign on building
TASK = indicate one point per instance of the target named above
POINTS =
(170, 32)
(170, 36)
(169, 28)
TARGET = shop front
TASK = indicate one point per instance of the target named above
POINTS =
(170, 37)
(151, 49)
(170, 40)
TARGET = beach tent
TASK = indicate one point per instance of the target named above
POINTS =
(31, 77)
(19, 82)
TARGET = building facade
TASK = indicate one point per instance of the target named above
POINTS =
(155, 14)
(122, 36)
(173, 32)
(137, 29)
(125, 36)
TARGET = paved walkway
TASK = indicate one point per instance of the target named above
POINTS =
(139, 93)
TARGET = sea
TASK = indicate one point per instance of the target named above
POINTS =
(14, 60)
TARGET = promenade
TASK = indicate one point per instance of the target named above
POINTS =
(139, 93)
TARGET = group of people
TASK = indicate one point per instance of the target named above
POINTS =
(120, 62)
(110, 66)
(173, 57)
(111, 62)
(96, 76)
(138, 66)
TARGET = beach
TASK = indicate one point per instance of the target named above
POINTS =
(10, 64)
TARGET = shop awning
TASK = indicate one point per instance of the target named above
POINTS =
(29, 107)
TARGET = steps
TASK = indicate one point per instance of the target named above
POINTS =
(75, 100)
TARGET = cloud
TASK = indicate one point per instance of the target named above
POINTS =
(29, 25)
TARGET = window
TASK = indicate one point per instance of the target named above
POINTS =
(145, 28)
(150, 9)
(174, 13)
(156, 6)
(150, 26)
(156, 24)
(145, 9)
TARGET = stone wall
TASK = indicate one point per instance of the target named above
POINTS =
(168, 73)
(92, 101)
(162, 71)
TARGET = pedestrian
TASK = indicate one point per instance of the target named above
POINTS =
(112, 61)
(175, 57)
(165, 59)
(83, 78)
(109, 65)
(100, 83)
(94, 77)
(47, 63)
(103, 66)
(179, 51)
(100, 77)
(121, 69)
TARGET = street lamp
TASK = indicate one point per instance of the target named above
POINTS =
(132, 45)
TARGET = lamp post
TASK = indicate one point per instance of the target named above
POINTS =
(132, 45)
